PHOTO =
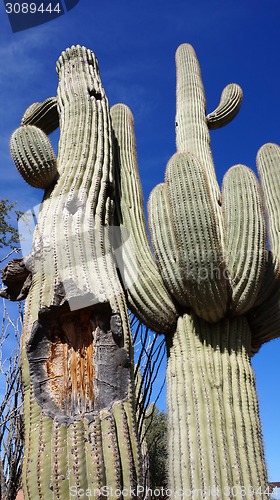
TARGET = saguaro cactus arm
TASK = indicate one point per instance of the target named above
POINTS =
(228, 107)
(265, 318)
(43, 115)
(34, 156)
(148, 297)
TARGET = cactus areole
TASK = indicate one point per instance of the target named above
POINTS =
(209, 284)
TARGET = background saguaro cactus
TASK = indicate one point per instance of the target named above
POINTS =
(213, 289)
(79, 414)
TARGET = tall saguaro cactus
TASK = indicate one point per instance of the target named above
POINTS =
(80, 433)
(213, 289)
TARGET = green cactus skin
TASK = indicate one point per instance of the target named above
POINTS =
(215, 436)
(74, 437)
(43, 115)
(34, 156)
(80, 430)
(211, 394)
(245, 236)
(164, 244)
(148, 298)
(195, 222)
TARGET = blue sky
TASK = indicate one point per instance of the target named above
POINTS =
(135, 42)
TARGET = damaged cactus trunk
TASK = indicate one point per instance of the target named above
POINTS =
(80, 432)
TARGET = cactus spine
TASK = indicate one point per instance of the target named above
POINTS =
(210, 253)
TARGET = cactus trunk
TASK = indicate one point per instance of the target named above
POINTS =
(79, 418)
(80, 431)
(213, 411)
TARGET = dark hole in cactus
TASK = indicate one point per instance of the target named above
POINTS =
(76, 365)
(95, 94)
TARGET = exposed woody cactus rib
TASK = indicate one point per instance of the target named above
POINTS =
(148, 295)
(124, 444)
(245, 236)
(34, 156)
(164, 244)
(197, 236)
(228, 107)
(43, 115)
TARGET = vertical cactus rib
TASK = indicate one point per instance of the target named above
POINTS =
(192, 132)
(148, 295)
(135, 444)
(176, 413)
(197, 235)
(228, 107)
(212, 364)
(76, 456)
(94, 455)
(44, 457)
(268, 164)
(125, 451)
(110, 452)
(257, 471)
(59, 477)
(164, 244)
(245, 236)
(262, 329)
(43, 115)
(34, 156)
